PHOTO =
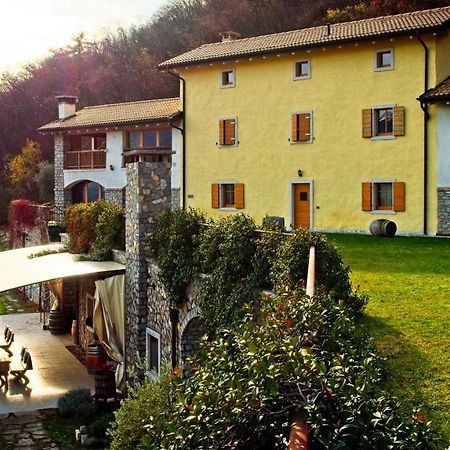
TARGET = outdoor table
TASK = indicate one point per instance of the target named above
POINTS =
(4, 371)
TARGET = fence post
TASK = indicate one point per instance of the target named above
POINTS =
(299, 437)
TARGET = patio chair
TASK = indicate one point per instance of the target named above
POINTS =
(8, 340)
(25, 364)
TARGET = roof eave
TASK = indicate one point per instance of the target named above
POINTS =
(307, 46)
(109, 124)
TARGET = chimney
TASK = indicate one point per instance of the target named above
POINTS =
(66, 106)
(228, 36)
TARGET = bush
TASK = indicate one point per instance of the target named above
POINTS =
(290, 267)
(99, 427)
(95, 229)
(173, 246)
(148, 404)
(226, 253)
(303, 355)
(69, 403)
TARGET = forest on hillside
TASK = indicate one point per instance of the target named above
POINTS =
(121, 66)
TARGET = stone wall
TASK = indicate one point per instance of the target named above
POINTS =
(147, 194)
(116, 196)
(159, 317)
(60, 195)
(443, 219)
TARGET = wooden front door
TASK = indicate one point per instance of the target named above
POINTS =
(302, 205)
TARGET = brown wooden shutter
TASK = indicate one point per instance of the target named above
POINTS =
(367, 123)
(295, 128)
(230, 132)
(221, 132)
(305, 127)
(399, 196)
(367, 196)
(239, 195)
(399, 121)
(215, 196)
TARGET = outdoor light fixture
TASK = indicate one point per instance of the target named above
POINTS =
(111, 167)
(300, 172)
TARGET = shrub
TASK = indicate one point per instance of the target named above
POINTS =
(226, 253)
(148, 404)
(304, 355)
(69, 403)
(95, 229)
(85, 412)
(290, 267)
(173, 245)
(99, 427)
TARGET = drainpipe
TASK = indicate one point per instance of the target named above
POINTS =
(183, 137)
(426, 117)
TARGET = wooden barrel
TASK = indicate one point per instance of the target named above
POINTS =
(57, 322)
(383, 227)
(95, 358)
(105, 385)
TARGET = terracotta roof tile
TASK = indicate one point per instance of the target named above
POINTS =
(308, 37)
(118, 114)
(440, 93)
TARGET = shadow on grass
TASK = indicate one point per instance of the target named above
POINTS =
(406, 369)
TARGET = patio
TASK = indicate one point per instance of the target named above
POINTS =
(55, 369)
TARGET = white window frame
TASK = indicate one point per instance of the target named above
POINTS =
(294, 71)
(311, 129)
(375, 60)
(231, 85)
(236, 142)
(387, 137)
(373, 182)
(226, 208)
(157, 336)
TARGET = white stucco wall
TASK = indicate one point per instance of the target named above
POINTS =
(444, 146)
(109, 179)
(177, 143)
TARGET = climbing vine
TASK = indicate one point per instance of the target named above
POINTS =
(239, 260)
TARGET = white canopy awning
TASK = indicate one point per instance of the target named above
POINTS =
(17, 270)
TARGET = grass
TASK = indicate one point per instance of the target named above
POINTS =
(408, 314)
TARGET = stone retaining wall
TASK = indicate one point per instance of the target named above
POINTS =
(443, 227)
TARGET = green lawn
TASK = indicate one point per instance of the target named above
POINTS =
(408, 314)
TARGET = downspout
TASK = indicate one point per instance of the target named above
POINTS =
(426, 117)
(183, 137)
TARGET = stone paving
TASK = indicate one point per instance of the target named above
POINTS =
(24, 430)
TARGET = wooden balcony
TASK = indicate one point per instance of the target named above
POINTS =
(85, 159)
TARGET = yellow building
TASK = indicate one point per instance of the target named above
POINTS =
(322, 126)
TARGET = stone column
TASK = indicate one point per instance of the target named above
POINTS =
(59, 178)
(443, 206)
(147, 195)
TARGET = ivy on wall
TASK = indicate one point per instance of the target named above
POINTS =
(239, 260)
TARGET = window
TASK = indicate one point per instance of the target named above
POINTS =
(301, 127)
(383, 122)
(302, 70)
(384, 60)
(87, 142)
(86, 191)
(383, 195)
(227, 132)
(227, 79)
(154, 138)
(153, 351)
(227, 195)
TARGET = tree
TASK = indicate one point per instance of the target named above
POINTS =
(23, 170)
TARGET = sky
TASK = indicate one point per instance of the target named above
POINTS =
(29, 28)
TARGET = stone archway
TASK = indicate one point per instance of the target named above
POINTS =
(189, 344)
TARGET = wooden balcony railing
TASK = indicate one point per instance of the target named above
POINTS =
(85, 159)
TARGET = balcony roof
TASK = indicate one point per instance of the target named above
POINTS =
(118, 115)
(438, 94)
